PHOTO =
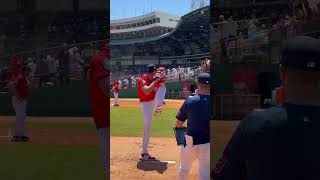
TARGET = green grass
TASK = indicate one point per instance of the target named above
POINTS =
(128, 122)
(215, 155)
(54, 125)
(50, 162)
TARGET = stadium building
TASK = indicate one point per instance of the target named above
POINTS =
(160, 38)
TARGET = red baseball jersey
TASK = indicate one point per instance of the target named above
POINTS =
(99, 101)
(144, 80)
(17, 67)
(22, 86)
(116, 88)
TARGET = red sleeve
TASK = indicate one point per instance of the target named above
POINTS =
(141, 82)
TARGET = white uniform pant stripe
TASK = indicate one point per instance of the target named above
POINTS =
(160, 95)
(116, 96)
(189, 154)
(20, 110)
(146, 108)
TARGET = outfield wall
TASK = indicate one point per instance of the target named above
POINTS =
(133, 92)
(67, 101)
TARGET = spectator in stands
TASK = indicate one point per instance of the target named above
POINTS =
(3, 43)
(43, 70)
(4, 77)
(87, 54)
(52, 64)
(32, 66)
(64, 66)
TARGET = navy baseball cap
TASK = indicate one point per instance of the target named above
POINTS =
(151, 68)
(301, 52)
(204, 78)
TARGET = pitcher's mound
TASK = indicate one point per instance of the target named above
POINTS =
(125, 159)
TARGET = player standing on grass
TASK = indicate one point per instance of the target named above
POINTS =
(19, 88)
(116, 91)
(281, 142)
(98, 81)
(146, 93)
(197, 110)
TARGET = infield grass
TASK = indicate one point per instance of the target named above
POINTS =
(128, 122)
(50, 162)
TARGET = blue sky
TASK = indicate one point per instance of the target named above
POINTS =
(130, 8)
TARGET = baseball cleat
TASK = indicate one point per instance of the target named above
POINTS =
(147, 157)
(20, 139)
(158, 111)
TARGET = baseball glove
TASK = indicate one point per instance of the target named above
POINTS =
(179, 134)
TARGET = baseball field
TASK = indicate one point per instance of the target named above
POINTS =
(221, 132)
(60, 148)
(126, 132)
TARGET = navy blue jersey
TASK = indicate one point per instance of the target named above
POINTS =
(197, 110)
(276, 143)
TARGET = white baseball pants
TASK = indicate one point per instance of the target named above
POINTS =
(20, 110)
(146, 108)
(160, 95)
(189, 154)
(104, 137)
(116, 96)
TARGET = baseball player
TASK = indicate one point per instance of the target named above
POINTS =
(146, 94)
(160, 90)
(281, 142)
(116, 90)
(98, 82)
(197, 110)
(19, 88)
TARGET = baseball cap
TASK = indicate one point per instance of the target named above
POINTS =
(151, 68)
(301, 52)
(204, 78)
(161, 68)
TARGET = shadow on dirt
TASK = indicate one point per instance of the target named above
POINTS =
(158, 166)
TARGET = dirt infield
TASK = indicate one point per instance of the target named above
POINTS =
(125, 163)
(222, 132)
(134, 103)
(125, 153)
(54, 135)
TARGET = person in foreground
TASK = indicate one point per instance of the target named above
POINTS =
(197, 110)
(98, 82)
(281, 142)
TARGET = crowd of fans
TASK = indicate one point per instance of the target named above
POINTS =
(18, 32)
(55, 67)
(128, 78)
(251, 29)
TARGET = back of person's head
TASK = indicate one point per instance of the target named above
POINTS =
(300, 68)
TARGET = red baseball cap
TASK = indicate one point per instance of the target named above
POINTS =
(161, 68)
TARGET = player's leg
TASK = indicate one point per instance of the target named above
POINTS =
(162, 94)
(116, 95)
(104, 134)
(203, 153)
(20, 110)
(147, 120)
(187, 156)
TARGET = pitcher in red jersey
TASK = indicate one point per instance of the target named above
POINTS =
(146, 94)
(20, 92)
